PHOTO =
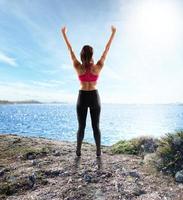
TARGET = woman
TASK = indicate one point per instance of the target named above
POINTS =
(88, 96)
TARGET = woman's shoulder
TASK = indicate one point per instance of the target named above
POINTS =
(96, 67)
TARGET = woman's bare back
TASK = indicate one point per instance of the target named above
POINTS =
(94, 69)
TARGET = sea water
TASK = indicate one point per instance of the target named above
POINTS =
(117, 121)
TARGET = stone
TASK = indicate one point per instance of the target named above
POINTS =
(179, 176)
(70, 180)
(17, 141)
(134, 174)
(32, 178)
(137, 191)
(87, 178)
(1, 172)
(53, 173)
(66, 173)
(56, 153)
(34, 162)
(30, 156)
(99, 195)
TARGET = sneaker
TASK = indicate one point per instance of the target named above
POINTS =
(78, 153)
(98, 153)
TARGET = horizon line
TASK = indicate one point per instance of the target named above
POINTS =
(72, 102)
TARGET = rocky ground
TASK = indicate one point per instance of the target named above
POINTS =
(40, 169)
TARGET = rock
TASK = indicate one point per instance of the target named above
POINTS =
(141, 162)
(2, 171)
(99, 195)
(34, 162)
(117, 171)
(32, 178)
(87, 178)
(179, 176)
(30, 155)
(66, 173)
(134, 174)
(104, 174)
(137, 191)
(56, 153)
(149, 145)
(70, 180)
(53, 173)
(18, 140)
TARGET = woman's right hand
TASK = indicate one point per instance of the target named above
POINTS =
(113, 29)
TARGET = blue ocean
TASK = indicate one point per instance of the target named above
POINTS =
(117, 121)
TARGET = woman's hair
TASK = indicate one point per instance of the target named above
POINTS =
(86, 54)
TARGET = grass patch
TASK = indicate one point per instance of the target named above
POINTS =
(135, 146)
(22, 149)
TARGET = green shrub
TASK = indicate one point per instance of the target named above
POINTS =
(137, 146)
(170, 152)
(123, 146)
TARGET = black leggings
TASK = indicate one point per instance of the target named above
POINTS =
(89, 99)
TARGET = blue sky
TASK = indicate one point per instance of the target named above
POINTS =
(144, 64)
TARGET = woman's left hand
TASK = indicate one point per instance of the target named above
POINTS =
(64, 30)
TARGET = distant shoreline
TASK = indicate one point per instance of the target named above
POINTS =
(5, 102)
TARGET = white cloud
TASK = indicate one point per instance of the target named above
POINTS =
(7, 59)
(40, 92)
(48, 84)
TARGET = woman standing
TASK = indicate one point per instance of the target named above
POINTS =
(88, 96)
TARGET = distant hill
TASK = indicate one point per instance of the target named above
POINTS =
(30, 102)
(20, 102)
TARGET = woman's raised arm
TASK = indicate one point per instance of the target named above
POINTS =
(73, 57)
(100, 63)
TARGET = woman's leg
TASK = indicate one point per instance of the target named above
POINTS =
(81, 116)
(95, 110)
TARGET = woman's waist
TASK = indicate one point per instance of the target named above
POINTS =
(88, 87)
(88, 91)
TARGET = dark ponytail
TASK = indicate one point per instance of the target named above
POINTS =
(86, 55)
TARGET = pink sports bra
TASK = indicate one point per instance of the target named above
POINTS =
(88, 76)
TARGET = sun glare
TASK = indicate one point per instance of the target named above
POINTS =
(158, 22)
(152, 35)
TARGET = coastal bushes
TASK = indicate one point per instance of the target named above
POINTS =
(167, 152)
(170, 153)
(136, 146)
